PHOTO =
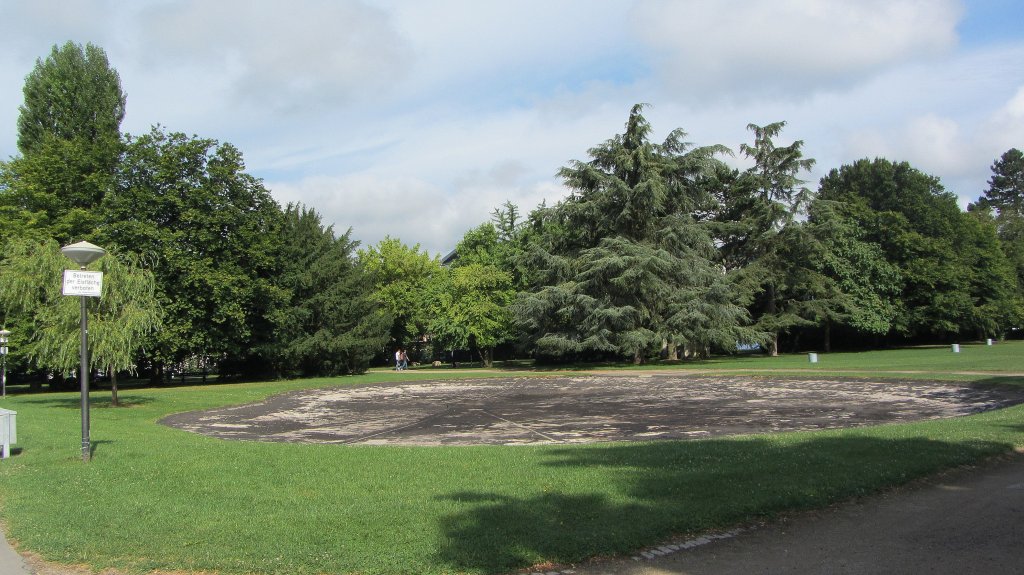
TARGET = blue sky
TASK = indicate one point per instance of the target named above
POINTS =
(416, 118)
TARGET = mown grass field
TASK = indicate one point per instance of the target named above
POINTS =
(158, 498)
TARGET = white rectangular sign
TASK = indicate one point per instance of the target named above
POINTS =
(83, 283)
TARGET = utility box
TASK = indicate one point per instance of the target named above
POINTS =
(8, 431)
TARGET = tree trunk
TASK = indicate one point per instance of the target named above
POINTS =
(773, 343)
(113, 388)
(638, 357)
(828, 336)
(673, 351)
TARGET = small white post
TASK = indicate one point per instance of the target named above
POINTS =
(988, 341)
(812, 357)
(956, 348)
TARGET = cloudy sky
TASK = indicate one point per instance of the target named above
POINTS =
(416, 118)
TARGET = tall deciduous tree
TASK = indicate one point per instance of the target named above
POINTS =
(72, 95)
(211, 229)
(858, 288)
(939, 250)
(402, 279)
(70, 141)
(471, 309)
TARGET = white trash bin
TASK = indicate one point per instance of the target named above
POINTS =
(956, 348)
(812, 357)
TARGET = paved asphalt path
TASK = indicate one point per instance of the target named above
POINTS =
(963, 522)
(10, 562)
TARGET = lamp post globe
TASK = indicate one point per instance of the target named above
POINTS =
(83, 253)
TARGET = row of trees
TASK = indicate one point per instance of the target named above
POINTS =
(660, 249)
(663, 247)
(211, 273)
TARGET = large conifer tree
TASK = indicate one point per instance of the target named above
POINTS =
(621, 265)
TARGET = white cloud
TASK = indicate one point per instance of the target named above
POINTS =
(410, 209)
(1005, 129)
(748, 50)
(295, 57)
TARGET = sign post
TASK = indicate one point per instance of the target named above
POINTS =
(4, 334)
(83, 284)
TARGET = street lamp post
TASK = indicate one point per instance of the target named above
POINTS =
(4, 334)
(83, 254)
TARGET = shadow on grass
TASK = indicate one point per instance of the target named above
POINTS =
(95, 402)
(1009, 383)
(650, 492)
(95, 444)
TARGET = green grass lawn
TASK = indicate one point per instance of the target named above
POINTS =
(1006, 357)
(160, 498)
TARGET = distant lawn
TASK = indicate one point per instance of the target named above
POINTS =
(1004, 357)
(927, 361)
(160, 498)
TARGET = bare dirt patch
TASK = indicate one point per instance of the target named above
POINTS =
(538, 410)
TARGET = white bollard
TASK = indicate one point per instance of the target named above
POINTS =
(8, 431)
(956, 348)
(812, 357)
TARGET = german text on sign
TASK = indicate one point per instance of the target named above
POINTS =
(82, 283)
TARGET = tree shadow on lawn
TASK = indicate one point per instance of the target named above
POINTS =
(95, 402)
(654, 491)
(1010, 383)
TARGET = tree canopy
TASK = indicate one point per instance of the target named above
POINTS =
(659, 249)
(622, 265)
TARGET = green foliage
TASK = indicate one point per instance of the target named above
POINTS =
(471, 308)
(622, 265)
(471, 301)
(954, 277)
(759, 230)
(402, 278)
(120, 321)
(858, 286)
(479, 246)
(1006, 196)
(69, 136)
(211, 231)
(1005, 190)
(329, 325)
(73, 95)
